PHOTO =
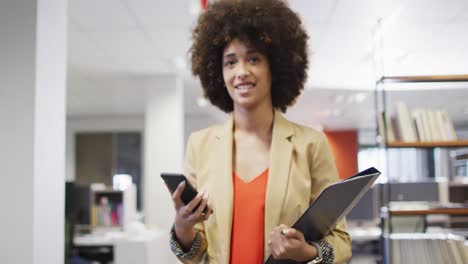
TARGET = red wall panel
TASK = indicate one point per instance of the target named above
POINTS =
(344, 145)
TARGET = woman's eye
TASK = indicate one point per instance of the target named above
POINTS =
(229, 63)
(253, 59)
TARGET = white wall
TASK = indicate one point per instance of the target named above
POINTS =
(164, 151)
(164, 146)
(32, 125)
(49, 141)
(197, 121)
(17, 53)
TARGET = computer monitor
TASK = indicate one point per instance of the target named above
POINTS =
(77, 203)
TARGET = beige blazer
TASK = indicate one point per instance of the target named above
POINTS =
(301, 166)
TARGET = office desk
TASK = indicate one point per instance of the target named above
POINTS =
(152, 246)
(364, 234)
(108, 238)
(97, 246)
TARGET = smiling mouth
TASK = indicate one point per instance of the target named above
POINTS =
(245, 86)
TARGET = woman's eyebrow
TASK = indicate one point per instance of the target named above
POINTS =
(250, 51)
(229, 55)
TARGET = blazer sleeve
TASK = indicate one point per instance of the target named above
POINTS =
(190, 173)
(323, 173)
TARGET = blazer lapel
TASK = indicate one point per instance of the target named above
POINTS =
(222, 172)
(280, 161)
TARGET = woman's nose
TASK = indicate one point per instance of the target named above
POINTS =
(243, 71)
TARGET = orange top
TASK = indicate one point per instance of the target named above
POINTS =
(248, 219)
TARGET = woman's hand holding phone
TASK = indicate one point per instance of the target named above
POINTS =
(186, 218)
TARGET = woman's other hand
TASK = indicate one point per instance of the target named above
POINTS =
(186, 217)
(289, 243)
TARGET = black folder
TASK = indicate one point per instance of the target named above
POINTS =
(333, 203)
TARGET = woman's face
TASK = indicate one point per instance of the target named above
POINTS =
(247, 75)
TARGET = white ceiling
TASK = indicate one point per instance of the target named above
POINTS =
(112, 41)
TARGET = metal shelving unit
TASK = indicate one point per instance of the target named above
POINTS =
(380, 104)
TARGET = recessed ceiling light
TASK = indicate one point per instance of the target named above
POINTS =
(180, 63)
(338, 98)
(356, 98)
(195, 8)
(336, 113)
(359, 97)
(202, 102)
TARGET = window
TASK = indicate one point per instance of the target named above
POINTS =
(101, 156)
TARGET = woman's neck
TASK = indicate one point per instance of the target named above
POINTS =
(258, 121)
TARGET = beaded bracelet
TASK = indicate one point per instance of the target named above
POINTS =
(328, 256)
(177, 249)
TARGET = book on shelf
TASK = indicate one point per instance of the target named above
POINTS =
(406, 123)
(443, 136)
(385, 125)
(448, 126)
(433, 127)
(113, 208)
(426, 125)
(419, 125)
(107, 212)
(389, 128)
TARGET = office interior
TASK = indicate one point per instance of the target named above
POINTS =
(99, 100)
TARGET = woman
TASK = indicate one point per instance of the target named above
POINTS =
(260, 170)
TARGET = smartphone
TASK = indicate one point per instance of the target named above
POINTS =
(173, 180)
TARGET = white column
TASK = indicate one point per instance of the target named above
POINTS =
(163, 152)
(32, 125)
(164, 146)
